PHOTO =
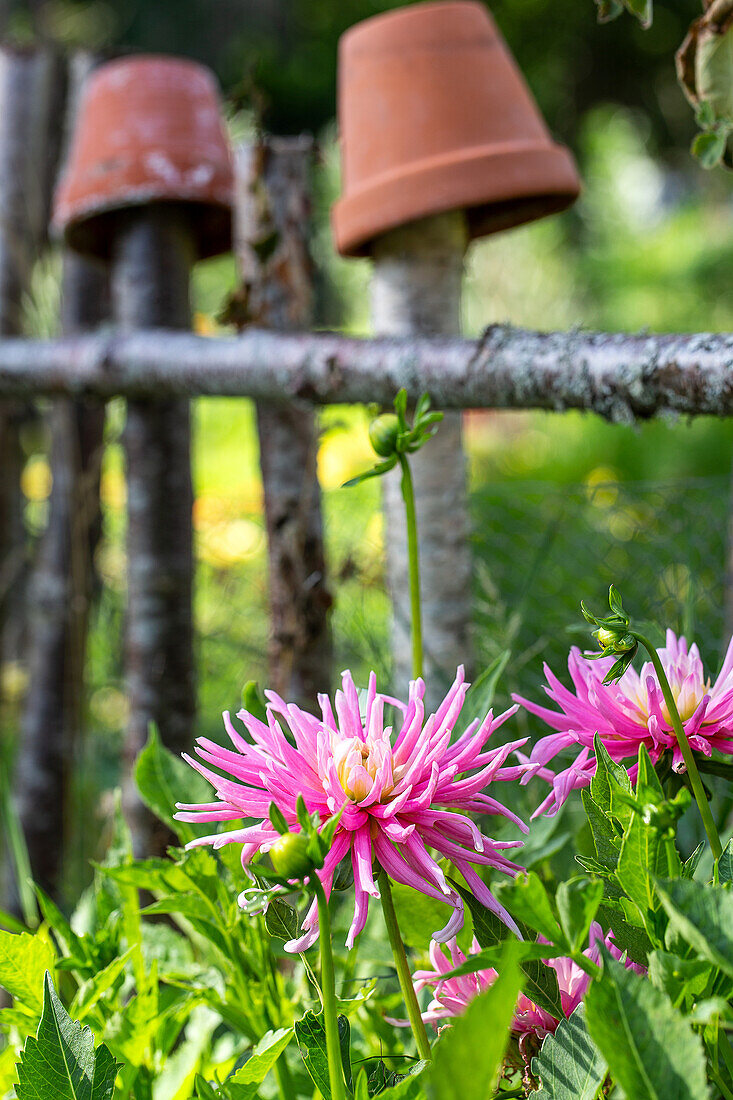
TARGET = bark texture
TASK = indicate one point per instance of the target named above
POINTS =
(151, 266)
(416, 290)
(621, 377)
(272, 220)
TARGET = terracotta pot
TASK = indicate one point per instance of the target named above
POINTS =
(434, 115)
(149, 129)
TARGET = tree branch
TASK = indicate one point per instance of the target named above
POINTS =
(621, 377)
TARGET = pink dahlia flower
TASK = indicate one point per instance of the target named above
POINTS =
(628, 713)
(453, 995)
(401, 796)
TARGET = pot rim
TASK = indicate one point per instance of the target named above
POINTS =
(499, 186)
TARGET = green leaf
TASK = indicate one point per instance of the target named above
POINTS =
(527, 899)
(677, 977)
(651, 1050)
(577, 903)
(311, 1036)
(467, 1057)
(628, 937)
(725, 863)
(609, 777)
(164, 779)
(605, 833)
(642, 9)
(418, 916)
(490, 957)
(244, 1084)
(24, 959)
(281, 920)
(61, 1061)
(410, 1087)
(540, 981)
(709, 147)
(691, 863)
(253, 701)
(570, 1066)
(703, 917)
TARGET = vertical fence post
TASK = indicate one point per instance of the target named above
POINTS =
(27, 98)
(272, 215)
(416, 290)
(152, 254)
(149, 185)
(61, 584)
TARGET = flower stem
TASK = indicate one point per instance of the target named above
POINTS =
(328, 990)
(403, 969)
(687, 755)
(408, 495)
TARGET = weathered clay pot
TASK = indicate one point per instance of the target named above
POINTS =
(434, 115)
(149, 129)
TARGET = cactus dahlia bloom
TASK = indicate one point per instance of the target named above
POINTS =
(629, 712)
(402, 796)
(453, 995)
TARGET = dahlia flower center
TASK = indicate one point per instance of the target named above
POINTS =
(688, 690)
(363, 765)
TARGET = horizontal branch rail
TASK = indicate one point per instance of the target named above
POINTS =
(620, 377)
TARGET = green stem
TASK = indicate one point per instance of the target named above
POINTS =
(328, 990)
(408, 495)
(687, 755)
(403, 969)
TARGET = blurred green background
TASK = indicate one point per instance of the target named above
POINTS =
(562, 504)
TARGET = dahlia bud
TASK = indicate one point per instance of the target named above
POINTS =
(383, 433)
(290, 856)
(614, 640)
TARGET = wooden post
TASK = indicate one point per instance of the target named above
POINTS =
(272, 216)
(29, 99)
(416, 290)
(61, 583)
(152, 255)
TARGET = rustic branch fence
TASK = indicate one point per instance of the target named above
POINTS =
(288, 371)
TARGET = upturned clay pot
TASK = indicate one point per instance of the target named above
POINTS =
(434, 115)
(148, 129)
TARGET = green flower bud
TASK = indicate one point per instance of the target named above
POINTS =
(612, 639)
(383, 433)
(290, 858)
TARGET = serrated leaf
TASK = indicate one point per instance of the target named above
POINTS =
(703, 917)
(164, 779)
(281, 920)
(527, 899)
(570, 1066)
(24, 959)
(61, 1061)
(467, 1057)
(311, 1036)
(540, 981)
(690, 865)
(609, 776)
(651, 1050)
(605, 833)
(725, 863)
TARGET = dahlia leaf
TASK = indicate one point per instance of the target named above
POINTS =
(577, 903)
(703, 917)
(540, 981)
(527, 899)
(24, 959)
(281, 920)
(164, 779)
(606, 836)
(725, 863)
(468, 1056)
(62, 1061)
(311, 1036)
(629, 937)
(609, 776)
(569, 1065)
(677, 977)
(651, 1050)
